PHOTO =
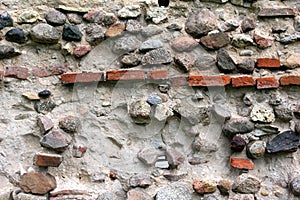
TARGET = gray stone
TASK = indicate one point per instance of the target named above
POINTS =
(242, 40)
(5, 20)
(224, 61)
(229, 25)
(138, 194)
(148, 156)
(94, 34)
(200, 23)
(283, 112)
(8, 52)
(28, 17)
(162, 112)
(247, 25)
(55, 140)
(150, 45)
(174, 177)
(256, 149)
(297, 23)
(246, 53)
(220, 113)
(174, 191)
(182, 44)
(151, 30)
(44, 33)
(262, 113)
(154, 99)
(287, 141)
(130, 60)
(108, 196)
(71, 33)
(140, 112)
(295, 186)
(131, 11)
(185, 61)
(268, 128)
(44, 107)
(247, 65)
(174, 157)
(174, 27)
(37, 183)
(297, 127)
(140, 181)
(125, 44)
(290, 38)
(157, 15)
(69, 124)
(133, 26)
(205, 62)
(157, 56)
(45, 123)
(237, 125)
(74, 18)
(16, 35)
(246, 184)
(55, 18)
(279, 28)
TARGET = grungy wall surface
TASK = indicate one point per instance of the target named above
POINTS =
(134, 100)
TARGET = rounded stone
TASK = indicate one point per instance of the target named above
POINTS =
(174, 191)
(55, 18)
(71, 33)
(44, 94)
(256, 149)
(154, 99)
(5, 20)
(246, 184)
(295, 186)
(204, 187)
(44, 33)
(28, 17)
(238, 144)
(224, 187)
(69, 124)
(16, 35)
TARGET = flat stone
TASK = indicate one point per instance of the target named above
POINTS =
(151, 30)
(81, 50)
(28, 17)
(221, 113)
(182, 44)
(45, 123)
(71, 33)
(31, 96)
(25, 196)
(16, 35)
(262, 40)
(80, 10)
(55, 18)
(150, 45)
(262, 113)
(154, 99)
(256, 149)
(174, 177)
(94, 34)
(44, 107)
(174, 157)
(37, 182)
(295, 186)
(140, 112)
(55, 140)
(241, 40)
(47, 160)
(237, 125)
(247, 65)
(204, 187)
(287, 141)
(138, 194)
(224, 186)
(126, 44)
(5, 20)
(174, 191)
(215, 41)
(157, 15)
(115, 30)
(200, 23)
(241, 163)
(140, 181)
(276, 12)
(69, 124)
(44, 33)
(268, 128)
(237, 144)
(246, 184)
(287, 39)
(248, 24)
(162, 163)
(8, 52)
(131, 60)
(224, 61)
(148, 156)
(74, 18)
(131, 11)
(157, 56)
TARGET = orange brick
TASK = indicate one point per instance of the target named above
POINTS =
(268, 63)
(241, 163)
(16, 72)
(199, 80)
(83, 77)
(117, 75)
(290, 80)
(157, 74)
(179, 81)
(267, 83)
(242, 81)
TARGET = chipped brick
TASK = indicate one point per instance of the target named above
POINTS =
(242, 81)
(47, 160)
(16, 72)
(241, 163)
(268, 63)
(117, 75)
(157, 74)
(50, 70)
(267, 83)
(82, 77)
(179, 81)
(199, 80)
(290, 80)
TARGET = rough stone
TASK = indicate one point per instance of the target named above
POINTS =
(44, 107)
(262, 113)
(174, 191)
(185, 61)
(140, 112)
(157, 15)
(148, 156)
(247, 65)
(138, 194)
(8, 52)
(262, 40)
(246, 184)
(140, 181)
(241, 40)
(108, 196)
(25, 196)
(267, 128)
(100, 17)
(16, 35)
(130, 60)
(205, 62)
(297, 112)
(174, 27)
(47, 160)
(182, 44)
(37, 182)
(81, 50)
(71, 33)
(246, 52)
(45, 123)
(74, 18)
(256, 149)
(157, 56)
(283, 112)
(238, 144)
(295, 186)
(151, 30)
(292, 61)
(276, 12)
(126, 44)
(287, 141)
(204, 187)
(162, 112)
(28, 17)
(247, 25)
(150, 45)
(224, 61)
(55, 140)
(215, 41)
(237, 125)
(287, 39)
(5, 20)
(131, 11)
(55, 18)
(174, 177)
(133, 26)
(115, 30)
(44, 33)
(154, 99)
(94, 34)
(79, 151)
(229, 25)
(174, 157)
(69, 124)
(221, 113)
(224, 186)
(200, 23)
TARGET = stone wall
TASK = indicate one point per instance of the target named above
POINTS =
(130, 100)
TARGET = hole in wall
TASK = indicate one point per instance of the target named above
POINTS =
(163, 3)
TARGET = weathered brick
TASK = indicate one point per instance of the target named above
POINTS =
(82, 77)
(276, 12)
(268, 63)
(157, 74)
(290, 80)
(16, 72)
(179, 81)
(47, 160)
(199, 80)
(50, 70)
(117, 75)
(267, 82)
(241, 163)
(241, 81)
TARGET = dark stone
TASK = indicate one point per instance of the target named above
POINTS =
(71, 33)
(224, 61)
(238, 144)
(45, 123)
(283, 112)
(295, 186)
(16, 35)
(224, 187)
(267, 128)
(246, 66)
(55, 18)
(7, 52)
(215, 41)
(297, 127)
(6, 20)
(94, 34)
(37, 182)
(280, 28)
(140, 181)
(55, 140)
(44, 94)
(247, 25)
(154, 99)
(287, 141)
(297, 112)
(237, 125)
(69, 124)
(44, 107)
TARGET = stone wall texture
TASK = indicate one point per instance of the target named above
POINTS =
(140, 100)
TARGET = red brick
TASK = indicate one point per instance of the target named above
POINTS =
(266, 83)
(47, 160)
(268, 63)
(290, 80)
(241, 163)
(16, 72)
(83, 77)
(198, 80)
(117, 75)
(50, 70)
(157, 74)
(179, 81)
(241, 81)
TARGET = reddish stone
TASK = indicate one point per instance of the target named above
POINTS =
(203, 187)
(117, 75)
(37, 182)
(179, 81)
(79, 151)
(157, 74)
(290, 80)
(247, 25)
(263, 41)
(241, 81)
(215, 41)
(276, 12)
(81, 50)
(47, 160)
(83, 77)
(16, 72)
(268, 63)
(241, 163)
(50, 70)
(266, 83)
(184, 44)
(198, 80)
(45, 123)
(115, 29)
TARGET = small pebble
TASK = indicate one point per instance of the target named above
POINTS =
(44, 94)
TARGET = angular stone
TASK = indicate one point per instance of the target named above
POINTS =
(200, 23)
(45, 123)
(138, 194)
(283, 112)
(74, 18)
(131, 11)
(241, 40)
(47, 160)
(182, 44)
(174, 191)
(276, 12)
(204, 187)
(262, 40)
(247, 65)
(287, 39)
(151, 30)
(140, 181)
(50, 70)
(262, 113)
(69, 9)
(162, 112)
(31, 96)
(287, 141)
(237, 125)
(174, 177)
(221, 113)
(55, 18)
(55, 140)
(81, 50)
(44, 107)
(157, 15)
(8, 52)
(248, 24)
(162, 163)
(109, 196)
(237, 144)
(115, 30)
(224, 61)
(133, 26)
(174, 157)
(215, 41)
(69, 124)
(267, 128)
(224, 186)
(37, 182)
(44, 33)
(185, 61)
(148, 156)
(71, 33)
(16, 35)
(140, 112)
(256, 149)
(205, 62)
(28, 17)
(5, 20)
(229, 25)
(295, 186)
(150, 45)
(130, 60)
(297, 112)
(157, 56)
(94, 34)
(292, 61)
(241, 163)
(246, 184)
(125, 44)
